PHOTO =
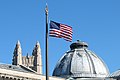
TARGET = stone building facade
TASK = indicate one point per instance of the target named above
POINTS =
(24, 67)
(13, 72)
(79, 63)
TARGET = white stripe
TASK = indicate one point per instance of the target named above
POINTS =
(70, 37)
(69, 32)
(55, 35)
(65, 26)
(65, 29)
(55, 30)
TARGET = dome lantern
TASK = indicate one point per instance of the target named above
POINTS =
(78, 44)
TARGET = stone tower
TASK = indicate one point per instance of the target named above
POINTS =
(37, 59)
(17, 54)
(33, 62)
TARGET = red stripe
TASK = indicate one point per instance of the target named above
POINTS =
(69, 32)
(65, 32)
(65, 26)
(55, 30)
(69, 37)
(55, 33)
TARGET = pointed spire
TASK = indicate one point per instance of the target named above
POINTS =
(37, 43)
(18, 43)
(17, 54)
(37, 58)
(27, 55)
(37, 49)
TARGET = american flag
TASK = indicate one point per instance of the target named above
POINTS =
(60, 31)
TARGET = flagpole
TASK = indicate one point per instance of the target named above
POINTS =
(46, 54)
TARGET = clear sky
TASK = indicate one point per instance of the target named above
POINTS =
(96, 22)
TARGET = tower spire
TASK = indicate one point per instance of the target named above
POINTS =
(18, 42)
(37, 58)
(17, 54)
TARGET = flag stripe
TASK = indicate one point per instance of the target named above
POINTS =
(69, 32)
(61, 31)
(66, 26)
(55, 32)
(63, 28)
(69, 37)
(66, 37)
(59, 34)
(54, 35)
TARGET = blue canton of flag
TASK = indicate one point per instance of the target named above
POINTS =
(60, 31)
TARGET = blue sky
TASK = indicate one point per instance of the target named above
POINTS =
(96, 22)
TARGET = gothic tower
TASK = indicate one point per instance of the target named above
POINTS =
(17, 54)
(37, 59)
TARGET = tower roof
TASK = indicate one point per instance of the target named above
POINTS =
(78, 44)
(37, 43)
(18, 43)
(80, 62)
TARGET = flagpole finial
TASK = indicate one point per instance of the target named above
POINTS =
(46, 9)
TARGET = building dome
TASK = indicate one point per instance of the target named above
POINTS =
(80, 62)
(115, 74)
